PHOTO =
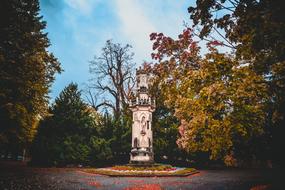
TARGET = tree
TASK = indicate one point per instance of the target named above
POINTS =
(256, 31)
(113, 79)
(27, 71)
(218, 100)
(113, 82)
(70, 134)
(165, 126)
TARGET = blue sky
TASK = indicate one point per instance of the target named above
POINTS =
(78, 29)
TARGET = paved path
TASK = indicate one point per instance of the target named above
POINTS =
(15, 176)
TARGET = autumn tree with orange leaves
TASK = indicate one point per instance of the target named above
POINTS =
(218, 100)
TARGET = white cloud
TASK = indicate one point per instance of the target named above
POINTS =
(135, 26)
(83, 6)
(139, 18)
(167, 15)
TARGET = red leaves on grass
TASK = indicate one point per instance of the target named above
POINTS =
(145, 187)
(94, 184)
(136, 181)
(261, 187)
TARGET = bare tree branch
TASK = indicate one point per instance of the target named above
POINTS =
(213, 39)
(224, 7)
(230, 44)
(105, 103)
(113, 75)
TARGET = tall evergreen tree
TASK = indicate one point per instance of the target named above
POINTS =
(27, 70)
(70, 134)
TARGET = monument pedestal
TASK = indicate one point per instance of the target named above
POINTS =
(141, 156)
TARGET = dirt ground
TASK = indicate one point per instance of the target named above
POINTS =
(14, 175)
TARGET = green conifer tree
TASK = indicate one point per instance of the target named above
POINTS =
(70, 135)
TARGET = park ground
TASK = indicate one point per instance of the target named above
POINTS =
(18, 176)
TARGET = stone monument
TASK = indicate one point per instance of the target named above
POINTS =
(142, 107)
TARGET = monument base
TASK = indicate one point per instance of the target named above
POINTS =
(141, 156)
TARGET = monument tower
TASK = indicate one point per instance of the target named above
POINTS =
(142, 107)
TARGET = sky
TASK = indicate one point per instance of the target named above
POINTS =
(78, 30)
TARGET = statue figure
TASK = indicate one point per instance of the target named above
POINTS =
(143, 142)
(143, 124)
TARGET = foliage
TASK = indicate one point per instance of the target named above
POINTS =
(113, 80)
(256, 32)
(27, 71)
(70, 135)
(120, 141)
(165, 128)
(218, 100)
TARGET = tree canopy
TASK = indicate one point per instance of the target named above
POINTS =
(255, 30)
(27, 71)
(71, 133)
(218, 100)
